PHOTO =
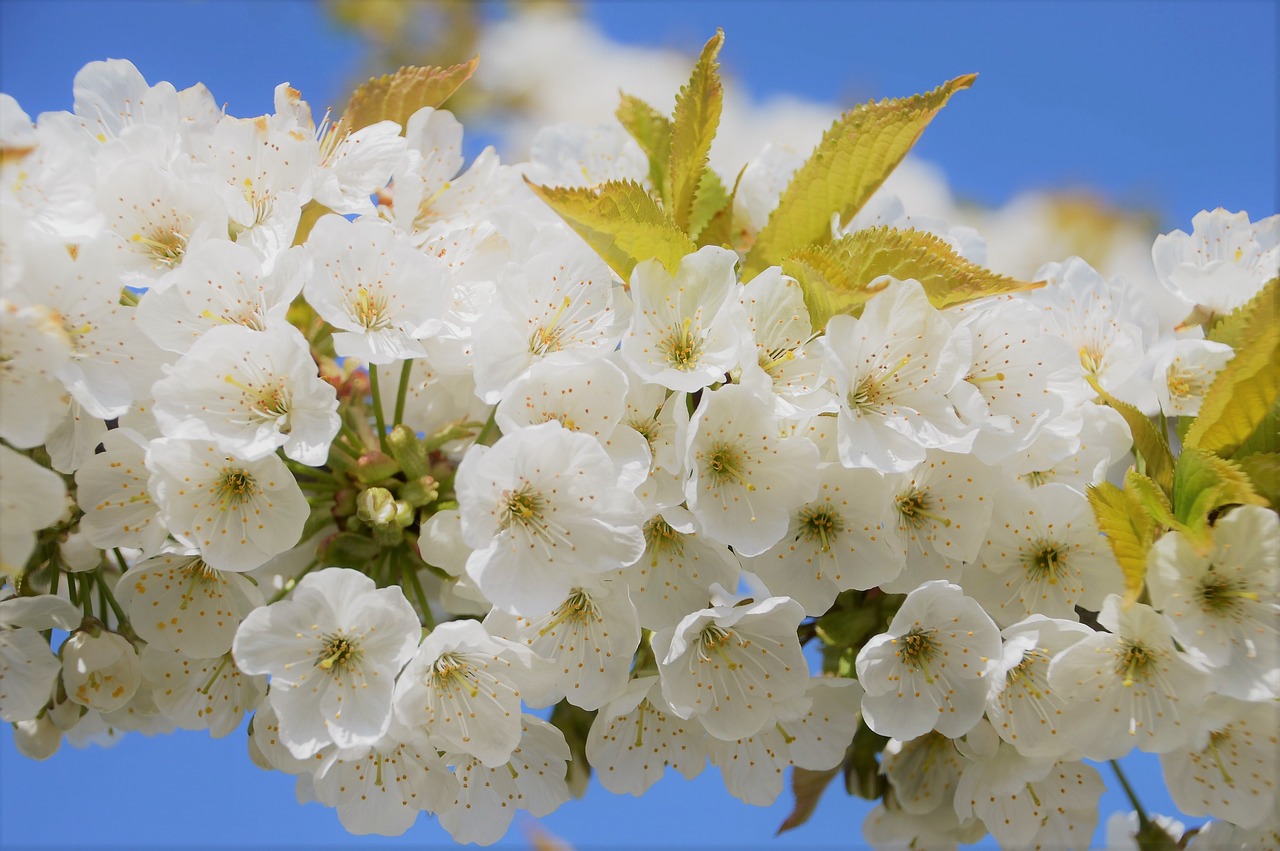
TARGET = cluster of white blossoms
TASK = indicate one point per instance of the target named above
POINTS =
(312, 424)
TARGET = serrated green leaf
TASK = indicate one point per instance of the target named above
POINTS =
(711, 199)
(836, 275)
(1151, 498)
(621, 221)
(721, 230)
(1266, 437)
(1204, 483)
(848, 627)
(806, 789)
(1147, 440)
(693, 126)
(1130, 532)
(1243, 393)
(396, 97)
(828, 285)
(1263, 470)
(850, 163)
(652, 132)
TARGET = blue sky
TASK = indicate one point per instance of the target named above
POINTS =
(1163, 105)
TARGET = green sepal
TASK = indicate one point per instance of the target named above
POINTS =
(853, 159)
(621, 222)
(693, 127)
(1245, 390)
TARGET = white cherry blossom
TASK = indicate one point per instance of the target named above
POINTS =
(637, 735)
(333, 651)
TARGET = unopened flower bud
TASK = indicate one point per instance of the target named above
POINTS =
(100, 672)
(412, 456)
(420, 491)
(37, 738)
(376, 506)
(375, 466)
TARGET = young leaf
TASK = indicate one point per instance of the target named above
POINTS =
(693, 126)
(854, 157)
(720, 230)
(1203, 483)
(1263, 470)
(395, 97)
(807, 786)
(1151, 497)
(828, 284)
(621, 222)
(855, 260)
(1266, 437)
(1244, 392)
(1130, 531)
(1147, 440)
(711, 199)
(652, 131)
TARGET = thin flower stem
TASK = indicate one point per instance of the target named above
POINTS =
(106, 594)
(402, 393)
(1143, 821)
(124, 565)
(292, 583)
(377, 406)
(357, 445)
(411, 576)
(86, 593)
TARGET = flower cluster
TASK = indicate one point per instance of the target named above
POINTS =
(310, 423)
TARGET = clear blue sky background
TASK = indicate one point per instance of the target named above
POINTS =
(1165, 105)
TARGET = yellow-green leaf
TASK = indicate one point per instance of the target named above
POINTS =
(1263, 470)
(1147, 440)
(312, 212)
(621, 221)
(1245, 390)
(1151, 497)
(720, 230)
(693, 126)
(711, 199)
(854, 157)
(1266, 437)
(1204, 483)
(807, 787)
(1130, 532)
(652, 132)
(947, 277)
(828, 284)
(395, 97)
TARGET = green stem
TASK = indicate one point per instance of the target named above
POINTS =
(1143, 821)
(124, 565)
(377, 406)
(357, 445)
(292, 583)
(105, 593)
(411, 576)
(86, 595)
(402, 393)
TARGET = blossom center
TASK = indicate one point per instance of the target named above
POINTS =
(521, 507)
(917, 648)
(681, 348)
(235, 487)
(661, 538)
(1221, 595)
(1136, 663)
(822, 525)
(915, 509)
(338, 654)
(726, 464)
(1045, 560)
(370, 310)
